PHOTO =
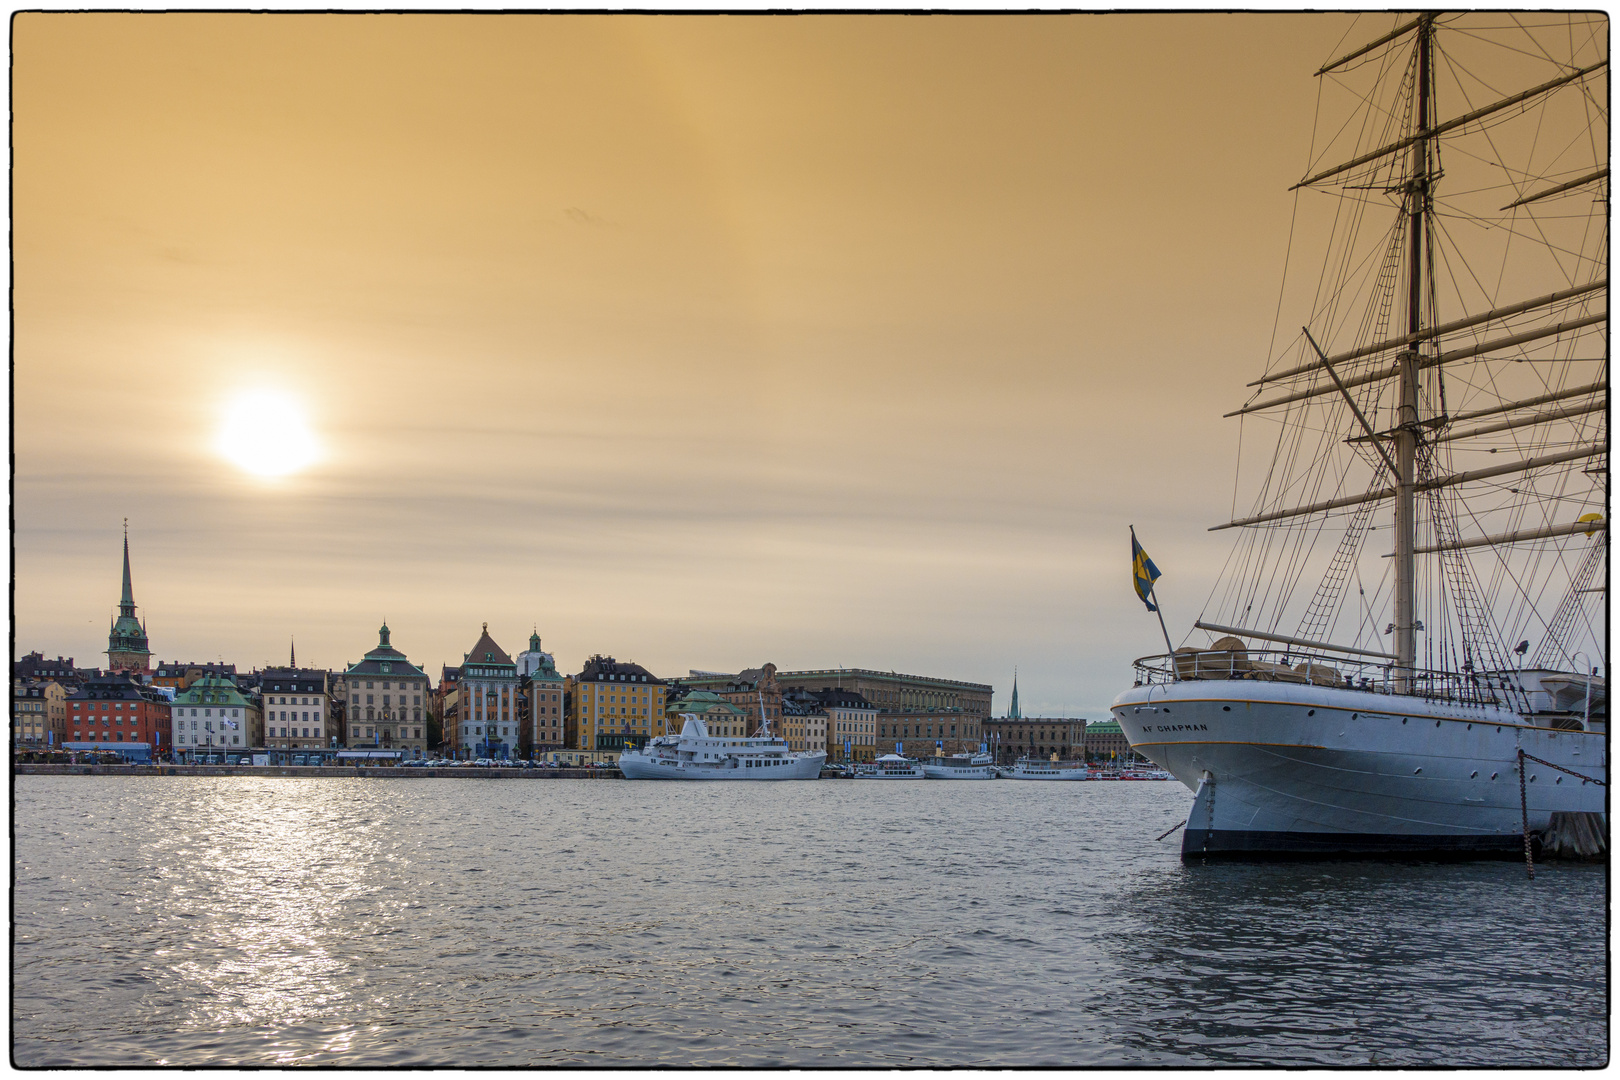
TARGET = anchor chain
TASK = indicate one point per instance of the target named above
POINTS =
(1561, 769)
(1524, 811)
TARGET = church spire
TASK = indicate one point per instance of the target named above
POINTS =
(1012, 710)
(126, 606)
(126, 638)
(292, 657)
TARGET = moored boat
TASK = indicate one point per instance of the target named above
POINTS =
(1040, 769)
(889, 767)
(694, 754)
(959, 767)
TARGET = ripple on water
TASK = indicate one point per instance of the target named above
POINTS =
(365, 922)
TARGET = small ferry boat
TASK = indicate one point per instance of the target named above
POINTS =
(959, 767)
(694, 754)
(1037, 769)
(889, 767)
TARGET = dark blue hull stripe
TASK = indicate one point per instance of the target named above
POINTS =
(1242, 844)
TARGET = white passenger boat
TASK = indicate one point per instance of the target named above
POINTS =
(694, 754)
(889, 767)
(1039, 769)
(1437, 486)
(959, 767)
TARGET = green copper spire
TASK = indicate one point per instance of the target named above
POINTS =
(126, 606)
(126, 639)
(1012, 710)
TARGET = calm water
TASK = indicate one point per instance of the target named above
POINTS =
(188, 921)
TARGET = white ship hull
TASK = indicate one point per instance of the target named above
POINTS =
(1282, 768)
(957, 772)
(1025, 770)
(805, 766)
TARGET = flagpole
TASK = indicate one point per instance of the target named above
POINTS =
(1158, 609)
(1153, 603)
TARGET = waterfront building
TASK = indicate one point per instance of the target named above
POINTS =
(850, 728)
(297, 708)
(38, 714)
(212, 716)
(612, 704)
(756, 691)
(126, 639)
(1014, 737)
(923, 734)
(543, 694)
(115, 712)
(386, 699)
(182, 673)
(722, 719)
(922, 714)
(487, 726)
(1105, 742)
(901, 695)
(36, 666)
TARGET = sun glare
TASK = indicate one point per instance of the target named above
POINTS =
(265, 433)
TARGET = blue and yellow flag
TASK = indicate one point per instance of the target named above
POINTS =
(1143, 570)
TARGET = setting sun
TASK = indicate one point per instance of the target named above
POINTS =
(265, 432)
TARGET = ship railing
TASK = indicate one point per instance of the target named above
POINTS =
(1303, 667)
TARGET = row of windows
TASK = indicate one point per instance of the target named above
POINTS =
(921, 734)
(354, 699)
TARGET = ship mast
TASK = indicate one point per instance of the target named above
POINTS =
(1407, 365)
(1389, 355)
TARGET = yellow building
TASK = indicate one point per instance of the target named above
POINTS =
(38, 714)
(611, 705)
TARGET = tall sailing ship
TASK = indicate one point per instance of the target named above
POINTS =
(1406, 646)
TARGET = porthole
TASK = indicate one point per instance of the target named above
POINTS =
(1311, 713)
(1403, 719)
(1558, 780)
(1493, 776)
(1532, 778)
(1226, 708)
(1437, 723)
(1470, 727)
(1355, 716)
(1473, 774)
(1417, 770)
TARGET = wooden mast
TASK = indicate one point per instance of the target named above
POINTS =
(1407, 419)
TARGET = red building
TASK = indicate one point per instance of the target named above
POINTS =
(114, 710)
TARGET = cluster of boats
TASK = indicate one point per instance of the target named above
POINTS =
(695, 754)
(981, 767)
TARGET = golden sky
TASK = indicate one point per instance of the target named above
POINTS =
(699, 341)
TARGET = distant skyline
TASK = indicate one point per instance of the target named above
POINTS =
(702, 342)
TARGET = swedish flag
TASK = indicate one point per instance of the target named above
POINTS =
(1143, 570)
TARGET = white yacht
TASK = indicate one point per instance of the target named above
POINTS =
(889, 767)
(694, 754)
(1434, 482)
(959, 767)
(1036, 769)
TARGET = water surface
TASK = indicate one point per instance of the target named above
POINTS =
(422, 922)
